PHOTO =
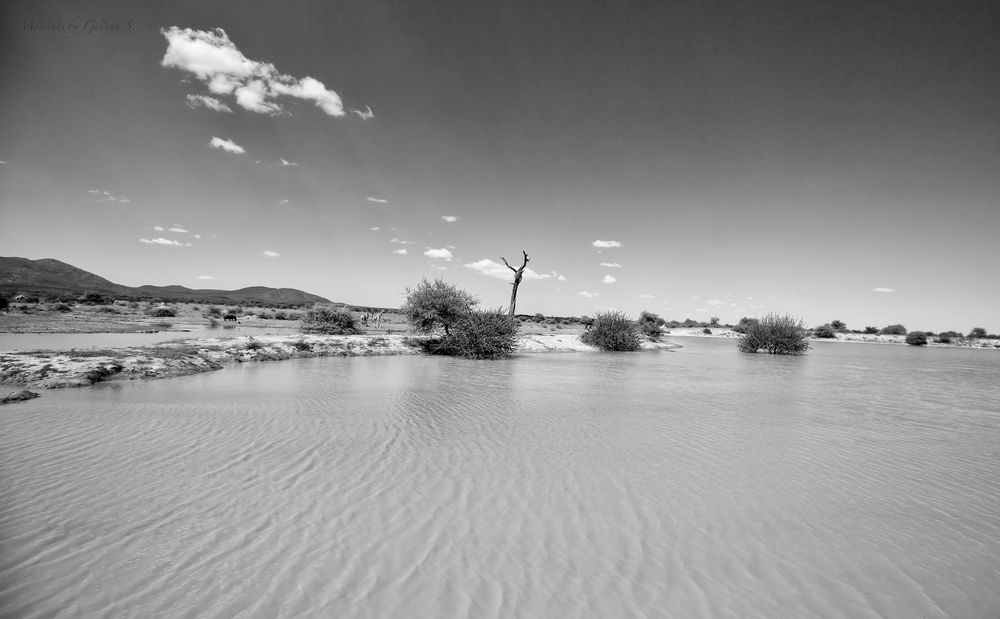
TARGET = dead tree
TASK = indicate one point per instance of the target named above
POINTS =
(517, 279)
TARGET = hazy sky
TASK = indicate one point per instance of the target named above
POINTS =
(696, 159)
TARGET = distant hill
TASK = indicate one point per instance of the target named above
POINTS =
(48, 277)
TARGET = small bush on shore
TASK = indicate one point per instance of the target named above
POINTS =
(162, 312)
(943, 339)
(329, 320)
(893, 330)
(612, 331)
(825, 331)
(916, 338)
(871, 331)
(744, 324)
(706, 331)
(479, 335)
(777, 335)
(436, 304)
(977, 332)
(651, 325)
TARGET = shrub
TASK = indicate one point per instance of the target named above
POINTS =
(436, 304)
(825, 331)
(893, 330)
(706, 331)
(94, 298)
(162, 312)
(650, 325)
(280, 316)
(977, 332)
(612, 331)
(778, 335)
(539, 317)
(713, 321)
(479, 335)
(302, 345)
(329, 320)
(253, 344)
(213, 312)
(916, 338)
(744, 324)
(943, 339)
(61, 307)
(838, 325)
(871, 330)
(110, 309)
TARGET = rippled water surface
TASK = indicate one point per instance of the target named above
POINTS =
(857, 481)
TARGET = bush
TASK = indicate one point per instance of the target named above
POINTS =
(893, 330)
(539, 317)
(612, 331)
(650, 325)
(706, 331)
(213, 312)
(977, 332)
(778, 335)
(744, 324)
(253, 344)
(825, 331)
(302, 345)
(280, 316)
(916, 338)
(162, 312)
(436, 304)
(479, 335)
(329, 320)
(838, 325)
(871, 330)
(943, 339)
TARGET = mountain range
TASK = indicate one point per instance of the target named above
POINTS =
(49, 277)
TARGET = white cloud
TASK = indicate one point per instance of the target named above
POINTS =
(3, 163)
(646, 295)
(401, 251)
(197, 236)
(376, 200)
(883, 290)
(561, 278)
(271, 254)
(365, 114)
(283, 202)
(606, 244)
(211, 103)
(177, 228)
(205, 277)
(158, 228)
(287, 164)
(161, 241)
(499, 270)
(107, 196)
(449, 218)
(442, 253)
(715, 302)
(374, 228)
(214, 59)
(611, 265)
(589, 295)
(399, 241)
(227, 145)
(609, 280)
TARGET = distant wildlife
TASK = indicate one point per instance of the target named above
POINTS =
(229, 318)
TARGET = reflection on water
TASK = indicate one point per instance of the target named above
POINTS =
(855, 481)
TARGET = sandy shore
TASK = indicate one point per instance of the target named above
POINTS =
(849, 338)
(76, 368)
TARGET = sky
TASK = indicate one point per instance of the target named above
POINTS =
(694, 159)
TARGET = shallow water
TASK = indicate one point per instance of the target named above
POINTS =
(857, 481)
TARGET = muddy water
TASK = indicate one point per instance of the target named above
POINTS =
(858, 481)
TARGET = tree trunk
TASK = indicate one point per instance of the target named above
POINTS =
(517, 280)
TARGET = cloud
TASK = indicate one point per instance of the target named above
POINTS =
(646, 295)
(161, 241)
(609, 280)
(376, 200)
(214, 60)
(3, 163)
(374, 228)
(287, 164)
(365, 114)
(715, 302)
(158, 228)
(211, 103)
(177, 228)
(283, 202)
(227, 145)
(499, 270)
(883, 290)
(205, 277)
(271, 254)
(197, 236)
(449, 218)
(399, 241)
(107, 196)
(561, 278)
(606, 244)
(589, 295)
(611, 265)
(442, 253)
(401, 251)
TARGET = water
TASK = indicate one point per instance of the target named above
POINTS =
(857, 481)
